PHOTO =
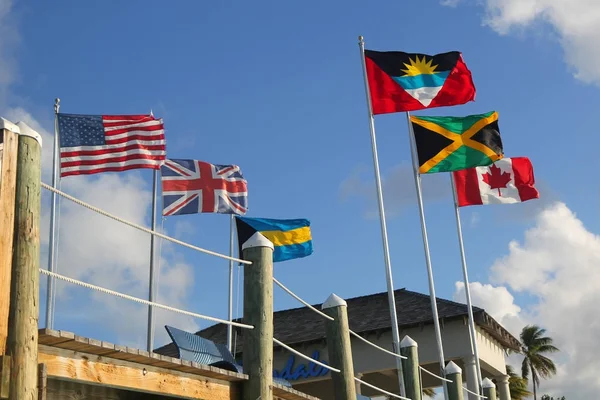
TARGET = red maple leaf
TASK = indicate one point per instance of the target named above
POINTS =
(496, 178)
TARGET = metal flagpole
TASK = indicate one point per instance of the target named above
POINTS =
(151, 290)
(434, 310)
(472, 332)
(231, 246)
(386, 251)
(53, 222)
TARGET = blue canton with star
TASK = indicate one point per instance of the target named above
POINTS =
(80, 130)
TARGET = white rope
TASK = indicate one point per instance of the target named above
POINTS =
(434, 375)
(377, 347)
(141, 228)
(149, 303)
(380, 389)
(473, 393)
(285, 346)
(302, 301)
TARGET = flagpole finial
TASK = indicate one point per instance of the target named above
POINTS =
(56, 105)
(361, 38)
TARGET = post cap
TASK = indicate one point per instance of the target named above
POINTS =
(333, 301)
(26, 130)
(487, 383)
(408, 342)
(452, 368)
(9, 126)
(257, 240)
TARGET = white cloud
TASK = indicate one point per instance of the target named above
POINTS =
(556, 265)
(497, 301)
(398, 188)
(576, 22)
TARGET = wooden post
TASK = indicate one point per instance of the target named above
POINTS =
(489, 389)
(22, 343)
(410, 368)
(455, 388)
(339, 348)
(258, 312)
(8, 178)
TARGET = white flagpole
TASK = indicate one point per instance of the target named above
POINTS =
(53, 239)
(434, 310)
(472, 331)
(386, 251)
(151, 282)
(231, 247)
(151, 289)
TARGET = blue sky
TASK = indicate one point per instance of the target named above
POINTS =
(277, 88)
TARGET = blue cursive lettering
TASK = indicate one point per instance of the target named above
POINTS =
(290, 373)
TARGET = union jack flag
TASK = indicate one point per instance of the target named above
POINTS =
(192, 186)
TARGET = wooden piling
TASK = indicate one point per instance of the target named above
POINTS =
(339, 347)
(22, 343)
(489, 389)
(258, 311)
(410, 368)
(455, 388)
(8, 178)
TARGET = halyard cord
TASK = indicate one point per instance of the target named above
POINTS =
(149, 303)
(285, 346)
(434, 375)
(141, 228)
(381, 390)
(377, 347)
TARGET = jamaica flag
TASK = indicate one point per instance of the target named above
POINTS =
(401, 81)
(447, 144)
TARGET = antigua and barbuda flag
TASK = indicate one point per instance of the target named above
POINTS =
(291, 238)
(401, 81)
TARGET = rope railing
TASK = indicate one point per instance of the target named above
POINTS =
(380, 389)
(321, 313)
(434, 375)
(296, 352)
(299, 354)
(139, 227)
(473, 393)
(377, 347)
(142, 301)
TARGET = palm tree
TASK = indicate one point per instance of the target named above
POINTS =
(533, 347)
(429, 392)
(517, 385)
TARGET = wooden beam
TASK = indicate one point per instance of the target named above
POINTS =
(4, 376)
(42, 381)
(97, 370)
(8, 180)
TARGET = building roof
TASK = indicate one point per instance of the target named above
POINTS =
(365, 314)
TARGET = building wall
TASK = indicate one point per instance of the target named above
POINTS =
(455, 339)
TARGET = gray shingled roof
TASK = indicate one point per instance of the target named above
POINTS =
(365, 313)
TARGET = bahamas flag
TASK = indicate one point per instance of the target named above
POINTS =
(446, 144)
(291, 238)
(401, 81)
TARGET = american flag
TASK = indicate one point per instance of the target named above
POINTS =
(192, 186)
(90, 144)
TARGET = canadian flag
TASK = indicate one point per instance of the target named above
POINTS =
(508, 180)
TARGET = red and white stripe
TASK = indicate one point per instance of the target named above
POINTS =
(472, 189)
(132, 141)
